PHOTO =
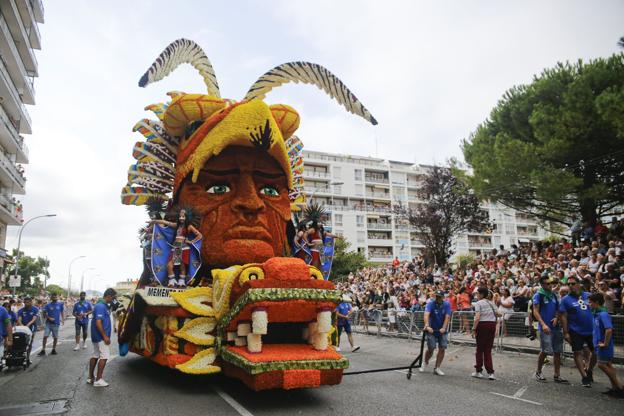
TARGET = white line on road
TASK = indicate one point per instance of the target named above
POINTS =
(518, 396)
(520, 391)
(230, 400)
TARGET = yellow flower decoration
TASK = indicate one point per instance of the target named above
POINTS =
(201, 363)
(197, 331)
(195, 300)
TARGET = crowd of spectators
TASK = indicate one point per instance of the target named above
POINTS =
(512, 274)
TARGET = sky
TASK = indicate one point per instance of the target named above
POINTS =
(429, 72)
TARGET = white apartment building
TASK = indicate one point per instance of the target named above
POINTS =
(360, 191)
(19, 37)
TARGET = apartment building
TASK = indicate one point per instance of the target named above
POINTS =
(359, 192)
(19, 38)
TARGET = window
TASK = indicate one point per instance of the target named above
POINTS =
(359, 219)
(361, 237)
(337, 170)
(338, 189)
(338, 219)
(357, 174)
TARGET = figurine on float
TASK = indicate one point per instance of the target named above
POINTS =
(179, 257)
(250, 309)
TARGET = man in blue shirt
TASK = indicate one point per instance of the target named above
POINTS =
(27, 316)
(54, 318)
(578, 329)
(100, 337)
(545, 311)
(81, 312)
(343, 312)
(6, 330)
(437, 316)
(603, 340)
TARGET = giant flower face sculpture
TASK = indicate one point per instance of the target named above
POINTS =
(242, 198)
(266, 317)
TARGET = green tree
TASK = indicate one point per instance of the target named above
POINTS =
(56, 290)
(31, 270)
(450, 209)
(555, 148)
(345, 260)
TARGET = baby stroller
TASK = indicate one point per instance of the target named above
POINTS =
(17, 356)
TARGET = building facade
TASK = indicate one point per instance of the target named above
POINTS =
(19, 38)
(359, 193)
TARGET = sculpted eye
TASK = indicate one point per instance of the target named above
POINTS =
(218, 189)
(269, 190)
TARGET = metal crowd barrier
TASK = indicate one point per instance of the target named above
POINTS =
(513, 333)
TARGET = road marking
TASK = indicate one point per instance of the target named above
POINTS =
(518, 396)
(230, 400)
(520, 392)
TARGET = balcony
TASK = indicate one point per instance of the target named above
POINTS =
(377, 179)
(378, 195)
(10, 176)
(316, 174)
(378, 209)
(10, 211)
(19, 34)
(479, 242)
(22, 78)
(379, 226)
(379, 242)
(379, 256)
(12, 102)
(314, 190)
(30, 22)
(37, 6)
(10, 139)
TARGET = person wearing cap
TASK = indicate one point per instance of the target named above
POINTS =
(27, 316)
(437, 317)
(100, 337)
(578, 328)
(81, 312)
(343, 312)
(545, 311)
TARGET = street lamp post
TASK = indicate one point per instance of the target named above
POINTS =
(69, 274)
(19, 243)
(83, 275)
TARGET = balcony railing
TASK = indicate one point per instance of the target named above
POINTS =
(376, 179)
(13, 206)
(315, 174)
(381, 239)
(378, 226)
(11, 87)
(11, 168)
(383, 195)
(13, 131)
(316, 190)
(379, 255)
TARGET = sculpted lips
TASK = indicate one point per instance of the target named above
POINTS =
(248, 233)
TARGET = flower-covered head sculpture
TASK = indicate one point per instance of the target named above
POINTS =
(244, 194)
(239, 167)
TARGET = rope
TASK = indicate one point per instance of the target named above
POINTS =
(377, 370)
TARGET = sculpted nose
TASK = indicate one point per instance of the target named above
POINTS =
(247, 202)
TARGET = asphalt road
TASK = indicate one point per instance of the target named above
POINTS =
(57, 385)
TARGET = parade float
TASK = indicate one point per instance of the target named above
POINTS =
(220, 290)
